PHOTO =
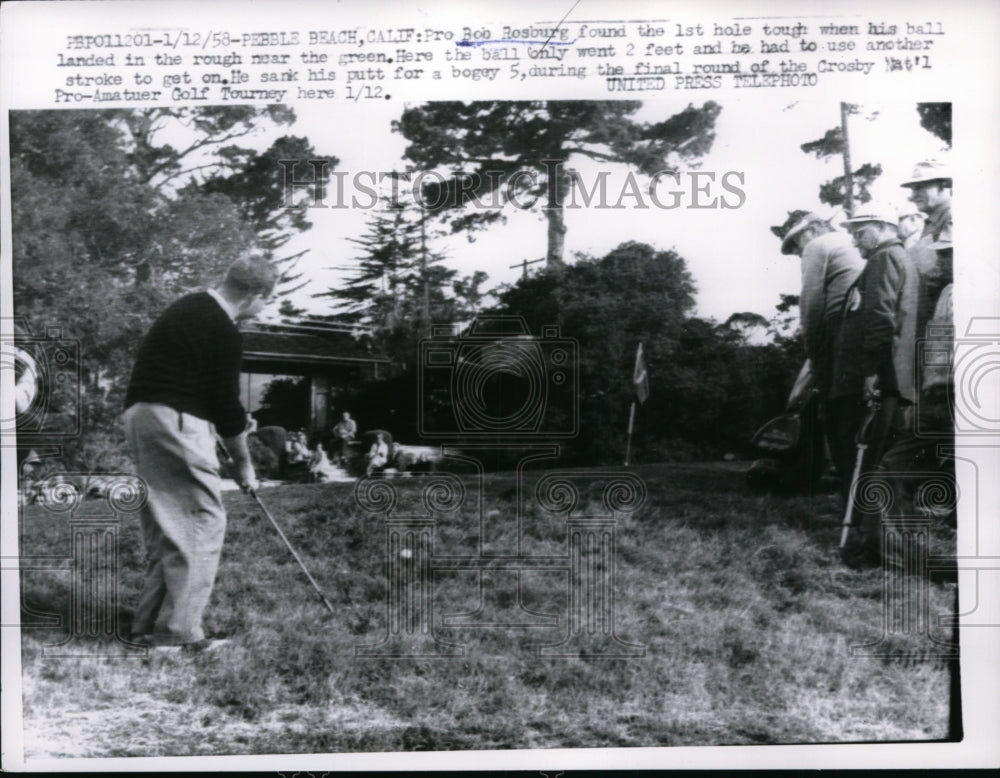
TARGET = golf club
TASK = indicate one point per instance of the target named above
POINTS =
(270, 518)
(862, 444)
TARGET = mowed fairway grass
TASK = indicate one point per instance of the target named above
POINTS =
(745, 613)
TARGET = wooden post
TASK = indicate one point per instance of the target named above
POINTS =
(319, 411)
(848, 172)
(524, 265)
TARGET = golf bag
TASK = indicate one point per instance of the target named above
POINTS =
(790, 448)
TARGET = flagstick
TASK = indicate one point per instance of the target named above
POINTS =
(631, 418)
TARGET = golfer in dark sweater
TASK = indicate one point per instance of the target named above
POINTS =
(184, 392)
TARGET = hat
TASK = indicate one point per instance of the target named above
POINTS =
(794, 224)
(873, 212)
(930, 170)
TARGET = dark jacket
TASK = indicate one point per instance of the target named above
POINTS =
(190, 360)
(933, 267)
(937, 220)
(878, 330)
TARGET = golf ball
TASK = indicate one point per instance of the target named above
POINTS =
(406, 553)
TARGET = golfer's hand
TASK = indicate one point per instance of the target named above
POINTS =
(247, 479)
(871, 391)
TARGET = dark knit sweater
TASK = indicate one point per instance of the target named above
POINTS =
(190, 361)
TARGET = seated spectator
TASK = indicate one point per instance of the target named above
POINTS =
(321, 469)
(297, 448)
(401, 459)
(378, 455)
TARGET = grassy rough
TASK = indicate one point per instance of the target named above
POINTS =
(745, 613)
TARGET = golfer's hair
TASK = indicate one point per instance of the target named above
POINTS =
(251, 275)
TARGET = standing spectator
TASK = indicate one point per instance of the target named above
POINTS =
(344, 432)
(874, 360)
(916, 455)
(911, 224)
(184, 391)
(830, 265)
(930, 191)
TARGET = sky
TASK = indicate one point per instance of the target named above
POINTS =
(731, 253)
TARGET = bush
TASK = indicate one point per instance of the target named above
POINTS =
(265, 461)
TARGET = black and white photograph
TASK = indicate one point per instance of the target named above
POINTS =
(564, 425)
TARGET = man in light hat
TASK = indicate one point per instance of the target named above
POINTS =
(874, 358)
(830, 265)
(930, 192)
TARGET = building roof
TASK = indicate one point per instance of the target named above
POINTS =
(303, 347)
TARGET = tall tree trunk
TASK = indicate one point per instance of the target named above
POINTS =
(557, 231)
(423, 272)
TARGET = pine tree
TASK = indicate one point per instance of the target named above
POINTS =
(502, 150)
(398, 286)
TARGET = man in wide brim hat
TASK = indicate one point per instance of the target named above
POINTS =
(928, 170)
(830, 264)
(930, 190)
(795, 225)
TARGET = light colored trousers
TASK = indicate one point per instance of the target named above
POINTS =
(183, 522)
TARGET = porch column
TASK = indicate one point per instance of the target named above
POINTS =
(319, 412)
